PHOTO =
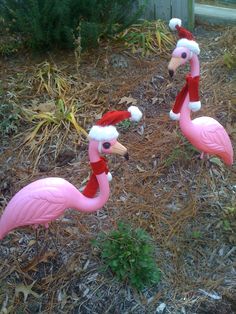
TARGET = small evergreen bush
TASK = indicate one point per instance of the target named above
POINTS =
(56, 23)
(129, 253)
(44, 23)
(9, 119)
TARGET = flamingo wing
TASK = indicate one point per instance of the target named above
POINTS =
(27, 207)
(216, 141)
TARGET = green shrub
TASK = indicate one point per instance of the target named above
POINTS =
(230, 60)
(104, 18)
(56, 23)
(44, 23)
(129, 253)
(9, 47)
(9, 119)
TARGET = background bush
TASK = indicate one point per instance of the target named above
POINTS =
(55, 23)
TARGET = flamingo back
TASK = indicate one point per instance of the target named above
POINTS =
(38, 203)
(212, 139)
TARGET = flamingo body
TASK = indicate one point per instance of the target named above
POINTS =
(45, 200)
(206, 134)
(40, 202)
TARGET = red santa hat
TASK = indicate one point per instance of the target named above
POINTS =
(104, 130)
(186, 37)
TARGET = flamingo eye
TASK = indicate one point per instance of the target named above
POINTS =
(184, 55)
(106, 145)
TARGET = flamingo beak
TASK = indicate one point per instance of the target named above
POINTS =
(119, 149)
(175, 62)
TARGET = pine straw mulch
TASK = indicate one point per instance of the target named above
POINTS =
(181, 201)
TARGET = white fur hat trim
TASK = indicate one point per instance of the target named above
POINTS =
(103, 133)
(194, 105)
(136, 114)
(190, 44)
(173, 23)
(174, 116)
(109, 176)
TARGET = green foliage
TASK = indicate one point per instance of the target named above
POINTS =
(230, 60)
(196, 234)
(103, 18)
(129, 253)
(229, 224)
(230, 218)
(226, 225)
(125, 124)
(44, 23)
(183, 151)
(57, 23)
(9, 119)
(9, 47)
(9, 43)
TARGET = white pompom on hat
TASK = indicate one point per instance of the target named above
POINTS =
(186, 37)
(174, 22)
(105, 129)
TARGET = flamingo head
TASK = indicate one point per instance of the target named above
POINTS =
(180, 56)
(103, 136)
(113, 147)
(108, 146)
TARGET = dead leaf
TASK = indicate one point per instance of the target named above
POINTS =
(31, 242)
(154, 100)
(26, 290)
(48, 106)
(128, 100)
(140, 169)
(37, 260)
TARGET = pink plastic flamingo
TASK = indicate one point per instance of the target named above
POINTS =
(44, 200)
(205, 133)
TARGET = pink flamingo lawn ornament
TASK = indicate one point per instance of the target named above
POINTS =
(205, 133)
(44, 200)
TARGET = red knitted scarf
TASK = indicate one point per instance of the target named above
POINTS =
(191, 87)
(92, 186)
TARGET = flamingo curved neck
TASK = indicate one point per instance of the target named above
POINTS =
(82, 203)
(185, 113)
(195, 66)
(93, 153)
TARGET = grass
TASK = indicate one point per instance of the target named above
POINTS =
(48, 125)
(148, 38)
(183, 151)
(54, 121)
(49, 78)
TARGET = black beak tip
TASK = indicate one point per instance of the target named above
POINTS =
(126, 155)
(171, 73)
